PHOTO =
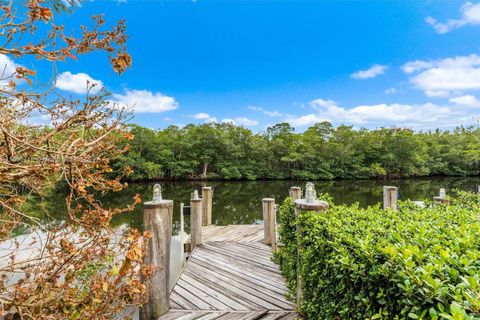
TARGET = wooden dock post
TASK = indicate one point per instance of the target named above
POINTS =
(269, 220)
(273, 227)
(390, 197)
(195, 221)
(478, 188)
(207, 195)
(296, 193)
(310, 203)
(157, 218)
(182, 221)
(182, 232)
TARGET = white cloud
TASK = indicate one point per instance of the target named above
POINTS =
(228, 120)
(391, 91)
(241, 121)
(255, 108)
(204, 116)
(145, 101)
(272, 113)
(445, 76)
(372, 72)
(76, 82)
(7, 69)
(201, 116)
(470, 15)
(417, 65)
(265, 112)
(33, 117)
(306, 120)
(246, 121)
(437, 93)
(467, 101)
(38, 119)
(320, 104)
(420, 116)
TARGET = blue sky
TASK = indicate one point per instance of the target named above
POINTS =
(362, 63)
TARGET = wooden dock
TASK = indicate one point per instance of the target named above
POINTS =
(230, 276)
(232, 233)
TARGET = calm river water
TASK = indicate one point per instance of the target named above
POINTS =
(239, 202)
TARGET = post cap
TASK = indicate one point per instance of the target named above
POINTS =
(195, 195)
(316, 205)
(310, 192)
(157, 204)
(157, 192)
(206, 188)
(268, 200)
(195, 198)
(442, 193)
(389, 188)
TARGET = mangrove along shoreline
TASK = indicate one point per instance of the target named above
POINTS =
(228, 152)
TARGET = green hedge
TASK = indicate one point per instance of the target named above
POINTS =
(373, 264)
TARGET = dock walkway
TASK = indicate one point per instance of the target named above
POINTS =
(230, 276)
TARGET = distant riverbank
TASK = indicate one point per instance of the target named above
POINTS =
(216, 180)
(231, 153)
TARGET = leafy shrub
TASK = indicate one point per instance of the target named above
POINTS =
(373, 264)
(287, 254)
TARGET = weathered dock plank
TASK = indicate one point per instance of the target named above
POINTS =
(245, 274)
(232, 233)
(231, 276)
(228, 315)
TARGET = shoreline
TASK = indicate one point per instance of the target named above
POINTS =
(300, 180)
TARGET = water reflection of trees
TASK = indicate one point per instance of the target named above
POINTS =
(240, 202)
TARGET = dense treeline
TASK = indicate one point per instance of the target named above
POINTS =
(226, 151)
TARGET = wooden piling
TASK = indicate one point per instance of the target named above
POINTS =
(182, 222)
(195, 222)
(273, 227)
(302, 204)
(296, 193)
(157, 218)
(390, 197)
(269, 220)
(207, 197)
